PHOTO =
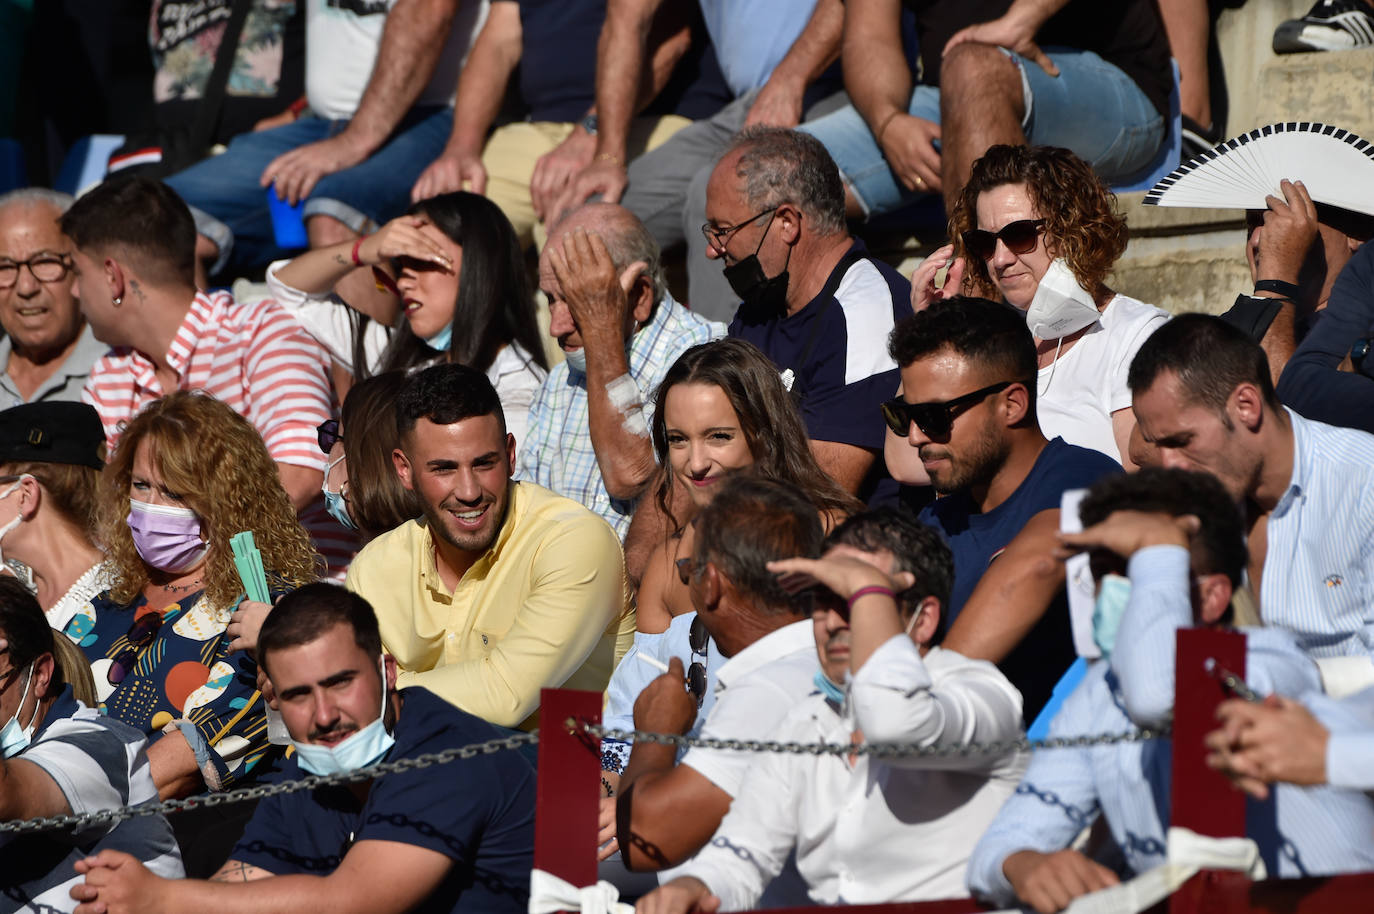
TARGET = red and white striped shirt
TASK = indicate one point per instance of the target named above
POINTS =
(261, 363)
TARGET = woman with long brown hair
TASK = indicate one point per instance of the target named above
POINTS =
(188, 474)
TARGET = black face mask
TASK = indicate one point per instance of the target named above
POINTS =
(759, 294)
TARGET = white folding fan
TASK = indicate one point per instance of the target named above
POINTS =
(1335, 165)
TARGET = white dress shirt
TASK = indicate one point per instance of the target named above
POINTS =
(873, 830)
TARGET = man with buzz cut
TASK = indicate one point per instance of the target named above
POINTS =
(502, 588)
(408, 841)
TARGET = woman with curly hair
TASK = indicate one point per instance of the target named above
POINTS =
(189, 473)
(1036, 226)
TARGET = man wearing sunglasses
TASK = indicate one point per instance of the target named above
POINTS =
(47, 350)
(968, 408)
(868, 830)
(814, 300)
(666, 809)
(61, 757)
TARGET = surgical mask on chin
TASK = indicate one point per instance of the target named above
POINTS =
(1113, 593)
(14, 739)
(577, 360)
(334, 501)
(832, 692)
(14, 521)
(1061, 307)
(166, 537)
(361, 749)
(759, 294)
(442, 339)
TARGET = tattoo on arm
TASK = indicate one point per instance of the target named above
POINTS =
(236, 871)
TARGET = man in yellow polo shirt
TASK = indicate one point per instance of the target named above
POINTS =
(503, 588)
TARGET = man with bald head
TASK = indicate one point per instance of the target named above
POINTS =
(47, 350)
(620, 330)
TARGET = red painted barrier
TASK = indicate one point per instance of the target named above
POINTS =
(566, 795)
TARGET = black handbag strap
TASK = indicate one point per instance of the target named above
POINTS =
(212, 101)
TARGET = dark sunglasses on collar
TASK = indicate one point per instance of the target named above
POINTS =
(1020, 238)
(935, 420)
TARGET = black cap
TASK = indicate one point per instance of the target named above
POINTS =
(56, 431)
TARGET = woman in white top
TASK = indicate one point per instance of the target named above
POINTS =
(461, 293)
(1036, 227)
(50, 459)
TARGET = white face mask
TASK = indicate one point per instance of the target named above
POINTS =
(1061, 306)
(577, 360)
(18, 517)
(15, 738)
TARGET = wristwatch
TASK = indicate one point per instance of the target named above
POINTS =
(1359, 357)
(589, 124)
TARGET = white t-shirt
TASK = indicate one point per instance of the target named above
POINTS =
(1080, 390)
(341, 42)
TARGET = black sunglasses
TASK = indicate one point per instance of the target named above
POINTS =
(138, 636)
(327, 434)
(1019, 237)
(698, 638)
(935, 420)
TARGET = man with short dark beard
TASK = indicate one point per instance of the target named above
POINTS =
(502, 588)
(968, 374)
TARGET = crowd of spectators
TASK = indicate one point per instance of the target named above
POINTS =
(370, 515)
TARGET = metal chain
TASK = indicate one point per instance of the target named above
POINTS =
(258, 792)
(878, 750)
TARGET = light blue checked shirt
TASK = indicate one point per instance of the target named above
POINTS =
(1350, 748)
(1300, 831)
(558, 452)
(1319, 569)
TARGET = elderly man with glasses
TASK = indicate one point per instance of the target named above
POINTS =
(968, 370)
(814, 300)
(47, 350)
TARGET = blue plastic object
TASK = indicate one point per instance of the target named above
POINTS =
(1040, 727)
(288, 222)
(86, 162)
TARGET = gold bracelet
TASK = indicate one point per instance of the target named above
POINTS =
(608, 157)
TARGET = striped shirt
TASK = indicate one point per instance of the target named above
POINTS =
(558, 453)
(1319, 568)
(1300, 831)
(98, 763)
(257, 360)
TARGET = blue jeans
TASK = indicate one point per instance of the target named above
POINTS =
(1091, 108)
(230, 207)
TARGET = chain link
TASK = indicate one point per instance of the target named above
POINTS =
(261, 791)
(877, 750)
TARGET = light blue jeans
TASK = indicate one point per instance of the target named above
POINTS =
(1092, 108)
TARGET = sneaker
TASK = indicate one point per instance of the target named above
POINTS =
(1331, 25)
(1197, 139)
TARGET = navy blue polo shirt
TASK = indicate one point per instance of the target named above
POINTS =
(1036, 664)
(479, 812)
(835, 348)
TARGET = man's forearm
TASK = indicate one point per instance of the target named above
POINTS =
(816, 47)
(482, 84)
(620, 55)
(415, 34)
(876, 73)
(615, 418)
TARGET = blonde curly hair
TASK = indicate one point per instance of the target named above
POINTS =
(218, 463)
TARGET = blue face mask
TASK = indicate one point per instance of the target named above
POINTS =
(577, 360)
(363, 748)
(441, 340)
(334, 501)
(14, 739)
(832, 692)
(1113, 593)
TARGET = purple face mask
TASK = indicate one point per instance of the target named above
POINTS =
(166, 537)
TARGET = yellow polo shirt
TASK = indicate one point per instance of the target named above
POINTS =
(547, 605)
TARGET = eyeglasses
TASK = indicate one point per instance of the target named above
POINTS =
(686, 568)
(384, 282)
(139, 635)
(44, 267)
(718, 238)
(698, 638)
(1019, 237)
(935, 420)
(327, 434)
